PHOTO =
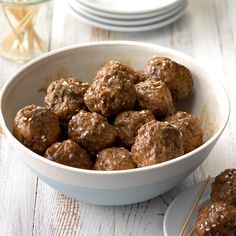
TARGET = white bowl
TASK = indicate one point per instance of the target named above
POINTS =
(208, 100)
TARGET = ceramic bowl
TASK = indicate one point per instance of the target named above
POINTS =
(208, 101)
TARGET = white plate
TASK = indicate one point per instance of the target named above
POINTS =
(130, 22)
(129, 6)
(113, 15)
(179, 209)
(137, 28)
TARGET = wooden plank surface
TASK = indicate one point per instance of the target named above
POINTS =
(29, 207)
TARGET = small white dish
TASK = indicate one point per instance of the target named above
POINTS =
(121, 28)
(130, 6)
(179, 209)
(120, 16)
(126, 22)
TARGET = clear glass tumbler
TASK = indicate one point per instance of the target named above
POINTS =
(24, 28)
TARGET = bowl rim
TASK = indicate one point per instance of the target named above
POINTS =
(40, 158)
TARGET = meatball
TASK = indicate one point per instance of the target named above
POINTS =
(224, 187)
(110, 93)
(36, 127)
(155, 96)
(177, 77)
(116, 65)
(69, 153)
(189, 125)
(66, 97)
(92, 131)
(116, 158)
(157, 142)
(127, 124)
(216, 219)
(142, 77)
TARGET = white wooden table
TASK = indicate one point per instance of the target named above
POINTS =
(207, 32)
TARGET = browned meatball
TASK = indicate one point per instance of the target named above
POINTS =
(36, 127)
(224, 187)
(92, 131)
(116, 65)
(216, 219)
(177, 77)
(69, 153)
(127, 124)
(155, 96)
(157, 142)
(114, 159)
(110, 93)
(189, 125)
(66, 97)
(142, 77)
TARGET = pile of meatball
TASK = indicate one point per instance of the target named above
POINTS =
(218, 217)
(125, 119)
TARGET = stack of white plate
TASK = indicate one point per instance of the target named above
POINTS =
(128, 15)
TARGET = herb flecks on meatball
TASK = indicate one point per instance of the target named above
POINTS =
(69, 153)
(157, 142)
(117, 65)
(66, 97)
(189, 125)
(110, 93)
(155, 96)
(127, 124)
(36, 127)
(92, 131)
(116, 158)
(177, 77)
(224, 187)
(216, 219)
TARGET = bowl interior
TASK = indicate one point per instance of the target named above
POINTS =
(208, 99)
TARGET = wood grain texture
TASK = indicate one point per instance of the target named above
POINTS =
(17, 198)
(206, 32)
(55, 214)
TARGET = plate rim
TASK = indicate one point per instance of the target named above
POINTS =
(124, 16)
(129, 29)
(127, 22)
(116, 11)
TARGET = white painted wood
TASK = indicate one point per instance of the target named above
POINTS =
(58, 215)
(66, 29)
(17, 198)
(29, 207)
